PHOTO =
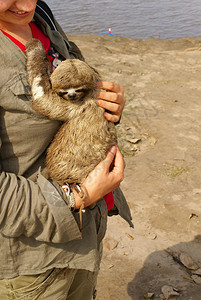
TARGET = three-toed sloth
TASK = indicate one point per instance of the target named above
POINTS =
(69, 94)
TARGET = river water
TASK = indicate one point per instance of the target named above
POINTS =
(166, 19)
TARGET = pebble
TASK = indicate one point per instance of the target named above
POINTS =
(197, 272)
(196, 279)
(151, 236)
(187, 261)
(110, 243)
(169, 291)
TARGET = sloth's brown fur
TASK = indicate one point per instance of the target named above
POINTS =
(85, 136)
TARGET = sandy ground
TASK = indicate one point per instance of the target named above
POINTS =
(160, 136)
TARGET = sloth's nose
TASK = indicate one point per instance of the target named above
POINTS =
(72, 95)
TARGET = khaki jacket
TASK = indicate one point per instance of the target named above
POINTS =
(37, 229)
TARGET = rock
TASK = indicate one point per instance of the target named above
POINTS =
(196, 278)
(133, 141)
(187, 261)
(197, 272)
(169, 291)
(151, 236)
(110, 243)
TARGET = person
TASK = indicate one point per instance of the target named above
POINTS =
(43, 253)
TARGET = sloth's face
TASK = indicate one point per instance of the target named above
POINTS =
(73, 94)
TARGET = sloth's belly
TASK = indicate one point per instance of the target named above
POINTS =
(77, 149)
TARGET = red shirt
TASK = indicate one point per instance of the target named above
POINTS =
(37, 34)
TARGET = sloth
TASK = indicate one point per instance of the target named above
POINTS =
(69, 94)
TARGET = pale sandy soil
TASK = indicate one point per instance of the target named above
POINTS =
(160, 136)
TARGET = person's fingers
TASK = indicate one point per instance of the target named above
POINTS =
(119, 163)
(110, 96)
(112, 118)
(110, 86)
(112, 101)
(109, 158)
(112, 107)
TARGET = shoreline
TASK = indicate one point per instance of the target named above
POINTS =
(124, 45)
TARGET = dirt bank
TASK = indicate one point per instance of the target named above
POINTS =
(159, 134)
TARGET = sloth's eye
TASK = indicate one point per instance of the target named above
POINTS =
(61, 94)
(81, 90)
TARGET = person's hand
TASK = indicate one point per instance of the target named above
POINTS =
(101, 180)
(111, 98)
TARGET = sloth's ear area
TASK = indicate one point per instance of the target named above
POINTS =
(96, 74)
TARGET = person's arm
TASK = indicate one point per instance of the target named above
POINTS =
(34, 210)
(111, 98)
(37, 209)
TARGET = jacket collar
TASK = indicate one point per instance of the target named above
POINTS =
(55, 37)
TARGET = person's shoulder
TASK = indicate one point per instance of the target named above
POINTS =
(45, 12)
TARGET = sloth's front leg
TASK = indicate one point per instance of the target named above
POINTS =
(38, 74)
(44, 100)
(38, 65)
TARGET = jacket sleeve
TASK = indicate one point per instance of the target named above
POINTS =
(35, 210)
(72, 47)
